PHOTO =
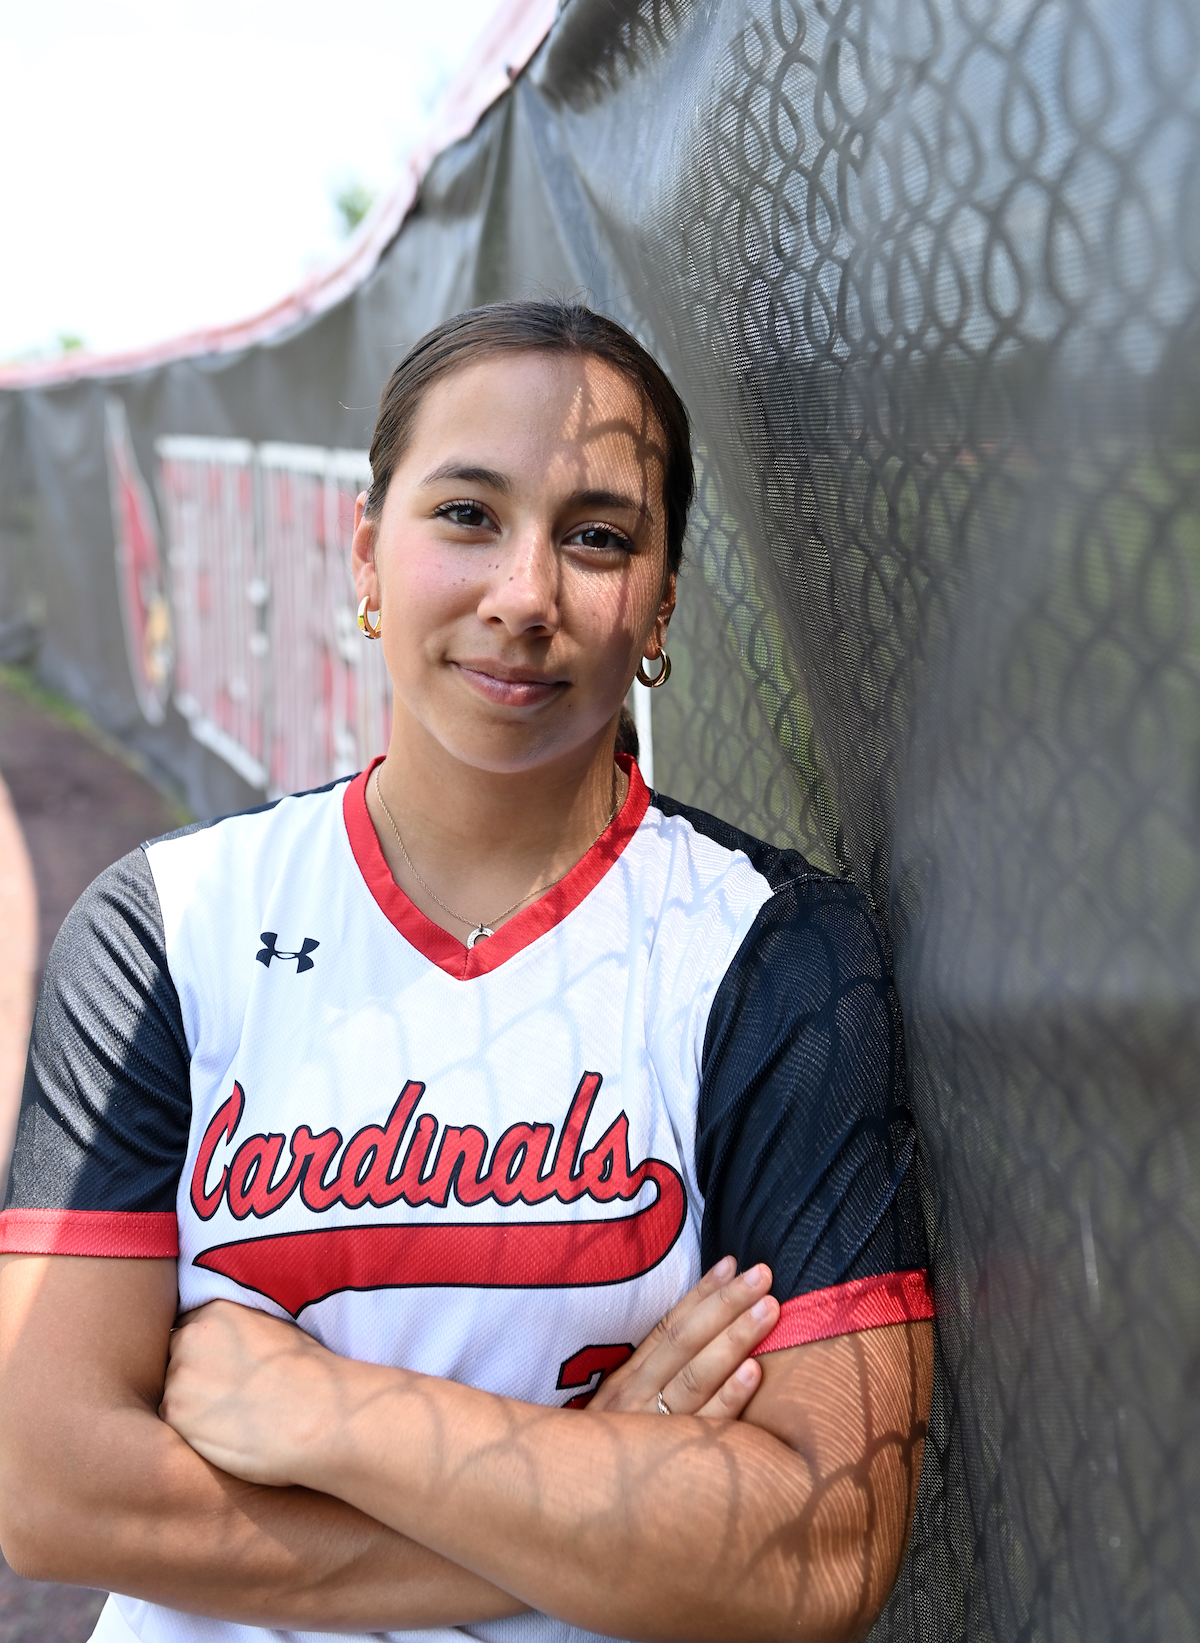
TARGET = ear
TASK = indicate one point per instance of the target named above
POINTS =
(656, 638)
(362, 554)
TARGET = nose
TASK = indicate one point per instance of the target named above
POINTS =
(523, 590)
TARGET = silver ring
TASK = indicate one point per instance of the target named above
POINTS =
(662, 1405)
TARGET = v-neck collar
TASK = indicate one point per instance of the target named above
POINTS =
(437, 945)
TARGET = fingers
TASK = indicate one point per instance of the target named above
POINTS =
(711, 1283)
(663, 1332)
(735, 1393)
(698, 1345)
(703, 1312)
(634, 1386)
(707, 1374)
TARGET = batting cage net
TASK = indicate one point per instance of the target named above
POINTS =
(927, 274)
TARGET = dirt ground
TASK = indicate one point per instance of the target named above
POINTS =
(79, 804)
(78, 807)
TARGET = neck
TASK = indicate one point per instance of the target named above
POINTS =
(483, 839)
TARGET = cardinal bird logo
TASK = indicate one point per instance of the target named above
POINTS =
(149, 635)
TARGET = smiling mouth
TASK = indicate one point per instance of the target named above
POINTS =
(517, 688)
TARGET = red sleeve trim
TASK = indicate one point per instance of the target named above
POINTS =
(863, 1303)
(88, 1232)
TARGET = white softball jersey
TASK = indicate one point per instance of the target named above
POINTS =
(501, 1164)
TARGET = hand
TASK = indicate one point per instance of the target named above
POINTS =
(258, 1397)
(698, 1356)
(251, 1393)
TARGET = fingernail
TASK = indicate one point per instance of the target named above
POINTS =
(748, 1373)
(725, 1267)
(762, 1309)
(755, 1276)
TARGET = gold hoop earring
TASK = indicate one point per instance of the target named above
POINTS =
(663, 674)
(372, 630)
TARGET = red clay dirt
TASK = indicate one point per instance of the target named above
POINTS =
(79, 807)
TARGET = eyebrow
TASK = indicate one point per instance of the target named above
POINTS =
(609, 499)
(470, 475)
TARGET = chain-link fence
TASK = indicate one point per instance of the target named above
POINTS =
(928, 277)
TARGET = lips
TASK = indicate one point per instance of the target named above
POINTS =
(515, 688)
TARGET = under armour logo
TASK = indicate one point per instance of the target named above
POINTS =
(269, 951)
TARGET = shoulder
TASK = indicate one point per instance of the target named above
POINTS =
(808, 943)
(106, 1105)
(752, 941)
(124, 909)
(728, 848)
(291, 815)
(781, 895)
(804, 1144)
(108, 960)
(216, 862)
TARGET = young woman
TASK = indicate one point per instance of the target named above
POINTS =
(426, 1096)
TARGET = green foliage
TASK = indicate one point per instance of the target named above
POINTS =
(22, 682)
(352, 203)
(67, 342)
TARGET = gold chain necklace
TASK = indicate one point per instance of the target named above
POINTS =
(481, 929)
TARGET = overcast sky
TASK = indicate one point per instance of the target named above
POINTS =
(171, 163)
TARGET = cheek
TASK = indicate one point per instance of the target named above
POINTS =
(424, 588)
(612, 615)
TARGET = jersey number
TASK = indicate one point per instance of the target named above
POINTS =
(578, 1370)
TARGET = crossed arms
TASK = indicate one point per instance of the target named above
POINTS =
(317, 1492)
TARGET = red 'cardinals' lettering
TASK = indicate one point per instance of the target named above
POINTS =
(224, 1122)
(367, 1172)
(376, 1167)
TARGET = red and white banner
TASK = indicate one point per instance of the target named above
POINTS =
(272, 672)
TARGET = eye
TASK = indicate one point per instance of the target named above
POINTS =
(471, 515)
(601, 539)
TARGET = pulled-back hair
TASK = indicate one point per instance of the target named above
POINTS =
(539, 327)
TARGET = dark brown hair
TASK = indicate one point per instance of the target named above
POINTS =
(542, 327)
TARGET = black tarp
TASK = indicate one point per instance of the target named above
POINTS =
(927, 275)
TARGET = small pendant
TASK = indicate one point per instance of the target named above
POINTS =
(478, 934)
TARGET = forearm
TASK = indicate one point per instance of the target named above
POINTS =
(96, 1489)
(788, 1523)
(129, 1507)
(635, 1526)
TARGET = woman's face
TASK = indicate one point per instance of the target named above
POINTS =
(519, 560)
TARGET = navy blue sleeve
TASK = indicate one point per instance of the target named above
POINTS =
(106, 1107)
(805, 1145)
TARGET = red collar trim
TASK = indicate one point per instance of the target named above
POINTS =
(440, 948)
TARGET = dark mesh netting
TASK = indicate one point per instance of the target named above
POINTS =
(928, 276)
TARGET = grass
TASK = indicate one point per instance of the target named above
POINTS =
(21, 682)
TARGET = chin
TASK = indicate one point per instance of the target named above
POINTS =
(508, 749)
(512, 762)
